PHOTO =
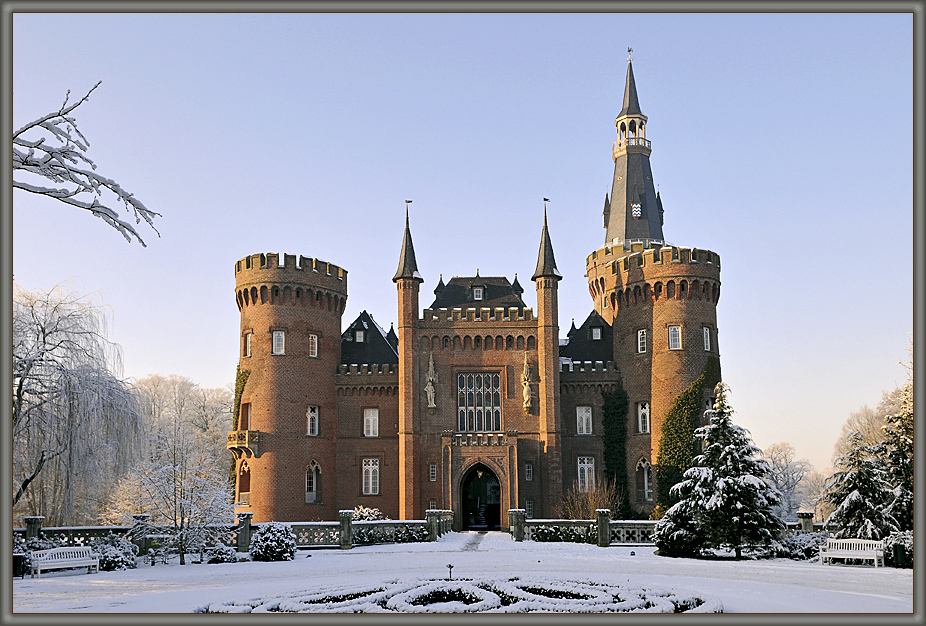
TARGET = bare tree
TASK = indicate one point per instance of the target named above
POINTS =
(75, 424)
(583, 504)
(786, 473)
(51, 149)
(811, 492)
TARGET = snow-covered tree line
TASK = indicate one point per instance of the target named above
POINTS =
(871, 490)
(50, 159)
(79, 429)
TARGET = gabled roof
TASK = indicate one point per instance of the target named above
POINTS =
(580, 346)
(376, 347)
(496, 292)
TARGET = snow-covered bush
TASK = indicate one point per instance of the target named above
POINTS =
(116, 552)
(571, 534)
(275, 541)
(401, 533)
(905, 539)
(221, 554)
(367, 514)
(677, 533)
(801, 546)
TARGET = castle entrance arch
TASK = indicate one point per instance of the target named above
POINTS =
(480, 497)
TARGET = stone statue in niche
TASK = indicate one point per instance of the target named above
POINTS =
(429, 386)
(526, 382)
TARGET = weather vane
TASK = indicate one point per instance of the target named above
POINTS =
(629, 53)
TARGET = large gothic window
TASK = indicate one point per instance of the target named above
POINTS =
(479, 402)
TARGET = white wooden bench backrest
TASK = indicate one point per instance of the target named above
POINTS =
(65, 553)
(854, 544)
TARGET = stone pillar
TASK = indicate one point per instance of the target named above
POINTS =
(347, 531)
(33, 525)
(139, 530)
(806, 520)
(516, 523)
(604, 527)
(433, 518)
(244, 531)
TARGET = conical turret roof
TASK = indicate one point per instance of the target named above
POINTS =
(631, 103)
(546, 263)
(408, 266)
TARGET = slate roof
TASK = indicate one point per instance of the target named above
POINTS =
(546, 263)
(579, 345)
(631, 103)
(377, 347)
(408, 266)
(458, 292)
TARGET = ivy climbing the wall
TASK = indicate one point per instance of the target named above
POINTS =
(241, 377)
(677, 444)
(614, 414)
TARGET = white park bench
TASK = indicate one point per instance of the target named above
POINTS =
(853, 549)
(60, 558)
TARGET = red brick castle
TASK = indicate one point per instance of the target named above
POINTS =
(475, 404)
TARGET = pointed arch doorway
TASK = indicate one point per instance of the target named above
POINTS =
(481, 499)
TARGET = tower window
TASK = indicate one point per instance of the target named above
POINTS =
(311, 415)
(313, 488)
(528, 472)
(529, 509)
(432, 473)
(477, 293)
(244, 416)
(641, 341)
(370, 477)
(675, 337)
(586, 474)
(246, 351)
(313, 346)
(279, 342)
(642, 417)
(371, 422)
(644, 481)
(596, 333)
(707, 339)
(584, 420)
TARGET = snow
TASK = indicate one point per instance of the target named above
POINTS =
(775, 586)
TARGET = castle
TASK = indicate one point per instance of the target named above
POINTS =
(475, 404)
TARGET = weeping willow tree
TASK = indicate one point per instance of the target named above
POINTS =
(76, 424)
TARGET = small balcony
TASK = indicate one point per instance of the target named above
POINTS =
(244, 443)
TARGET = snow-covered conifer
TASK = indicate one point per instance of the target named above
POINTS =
(860, 492)
(727, 491)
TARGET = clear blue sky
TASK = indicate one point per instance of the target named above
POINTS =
(782, 142)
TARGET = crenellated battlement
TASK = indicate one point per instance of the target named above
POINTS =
(264, 279)
(451, 317)
(644, 253)
(570, 366)
(367, 369)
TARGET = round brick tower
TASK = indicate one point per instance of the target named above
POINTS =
(660, 299)
(285, 441)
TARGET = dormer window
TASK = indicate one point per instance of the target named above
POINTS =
(477, 293)
(358, 336)
(596, 333)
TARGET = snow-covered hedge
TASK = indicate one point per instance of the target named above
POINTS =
(392, 533)
(367, 514)
(275, 541)
(116, 552)
(566, 533)
(902, 538)
(221, 554)
(801, 546)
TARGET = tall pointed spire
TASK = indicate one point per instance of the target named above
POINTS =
(546, 263)
(634, 212)
(631, 103)
(408, 267)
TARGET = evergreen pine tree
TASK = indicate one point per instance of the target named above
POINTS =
(861, 493)
(896, 451)
(727, 491)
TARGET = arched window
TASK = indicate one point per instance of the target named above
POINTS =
(644, 478)
(244, 484)
(313, 486)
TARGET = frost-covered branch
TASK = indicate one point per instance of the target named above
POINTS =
(53, 150)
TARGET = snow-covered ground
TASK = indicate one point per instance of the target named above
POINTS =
(777, 586)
